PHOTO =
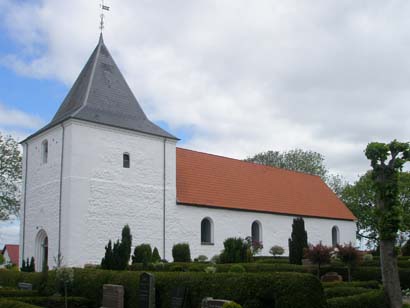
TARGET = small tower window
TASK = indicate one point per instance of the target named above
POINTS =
(126, 160)
(44, 151)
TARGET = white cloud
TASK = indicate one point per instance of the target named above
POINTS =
(17, 123)
(9, 232)
(245, 76)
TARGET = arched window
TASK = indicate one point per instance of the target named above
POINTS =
(44, 151)
(335, 236)
(126, 160)
(41, 250)
(207, 234)
(256, 231)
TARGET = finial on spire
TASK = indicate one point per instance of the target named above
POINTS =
(106, 8)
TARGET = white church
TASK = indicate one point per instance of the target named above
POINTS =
(101, 163)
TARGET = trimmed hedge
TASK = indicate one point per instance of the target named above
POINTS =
(372, 299)
(372, 284)
(285, 290)
(344, 291)
(220, 268)
(9, 303)
(367, 273)
(290, 290)
(55, 301)
(9, 292)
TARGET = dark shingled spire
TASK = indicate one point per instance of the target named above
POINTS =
(101, 95)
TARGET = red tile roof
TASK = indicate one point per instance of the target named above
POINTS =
(221, 182)
(13, 252)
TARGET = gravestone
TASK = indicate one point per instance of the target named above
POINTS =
(113, 296)
(146, 297)
(209, 302)
(178, 297)
(331, 277)
(25, 286)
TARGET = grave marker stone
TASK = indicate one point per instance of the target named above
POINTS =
(146, 297)
(209, 302)
(178, 297)
(25, 286)
(113, 296)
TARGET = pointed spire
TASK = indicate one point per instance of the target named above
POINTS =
(101, 95)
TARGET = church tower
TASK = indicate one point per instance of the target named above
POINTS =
(98, 165)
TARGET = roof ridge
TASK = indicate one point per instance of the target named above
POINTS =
(87, 93)
(251, 163)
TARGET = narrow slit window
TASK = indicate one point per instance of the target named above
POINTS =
(44, 151)
(126, 160)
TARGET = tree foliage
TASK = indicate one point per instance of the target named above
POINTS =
(10, 177)
(297, 160)
(298, 241)
(155, 255)
(302, 161)
(360, 198)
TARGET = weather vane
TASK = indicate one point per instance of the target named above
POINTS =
(106, 8)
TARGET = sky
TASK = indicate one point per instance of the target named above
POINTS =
(229, 77)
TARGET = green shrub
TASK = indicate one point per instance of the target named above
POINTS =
(276, 251)
(142, 254)
(155, 256)
(8, 303)
(344, 291)
(9, 292)
(367, 257)
(373, 299)
(236, 250)
(372, 284)
(202, 258)
(237, 268)
(181, 252)
(231, 305)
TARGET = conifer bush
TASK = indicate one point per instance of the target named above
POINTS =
(298, 241)
(117, 256)
(155, 256)
(181, 252)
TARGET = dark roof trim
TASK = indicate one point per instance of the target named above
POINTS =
(256, 211)
(47, 127)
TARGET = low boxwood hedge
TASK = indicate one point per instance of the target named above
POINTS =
(372, 284)
(220, 268)
(10, 303)
(363, 273)
(372, 299)
(55, 301)
(344, 291)
(285, 290)
(9, 292)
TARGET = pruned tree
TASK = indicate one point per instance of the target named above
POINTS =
(360, 198)
(10, 177)
(387, 161)
(298, 241)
